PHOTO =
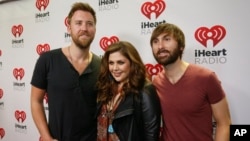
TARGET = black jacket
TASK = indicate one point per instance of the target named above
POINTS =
(137, 118)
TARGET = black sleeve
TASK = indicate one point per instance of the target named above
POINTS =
(40, 72)
(151, 113)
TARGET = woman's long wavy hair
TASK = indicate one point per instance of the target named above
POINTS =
(106, 84)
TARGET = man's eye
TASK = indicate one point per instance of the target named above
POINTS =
(78, 23)
(90, 23)
(167, 38)
(155, 41)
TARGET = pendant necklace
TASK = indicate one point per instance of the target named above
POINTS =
(111, 107)
(79, 67)
(110, 129)
(71, 60)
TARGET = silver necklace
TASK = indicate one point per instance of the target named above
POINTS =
(71, 60)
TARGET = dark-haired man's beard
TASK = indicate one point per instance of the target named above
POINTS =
(171, 58)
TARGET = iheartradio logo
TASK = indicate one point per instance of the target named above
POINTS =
(42, 48)
(2, 133)
(153, 69)
(20, 116)
(17, 30)
(157, 7)
(1, 93)
(105, 42)
(42, 3)
(216, 34)
(18, 73)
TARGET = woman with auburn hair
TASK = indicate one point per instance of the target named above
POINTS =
(128, 106)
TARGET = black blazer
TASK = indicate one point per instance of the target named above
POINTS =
(137, 118)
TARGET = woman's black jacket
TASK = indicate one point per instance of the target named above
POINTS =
(137, 118)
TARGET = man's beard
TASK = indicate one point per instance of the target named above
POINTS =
(173, 56)
(82, 44)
